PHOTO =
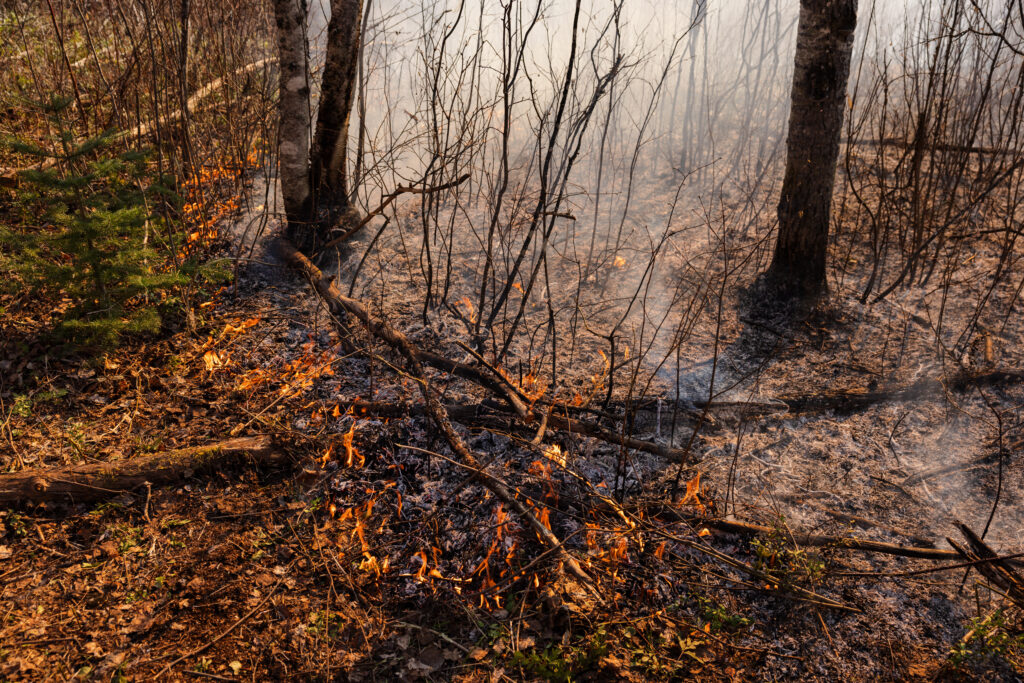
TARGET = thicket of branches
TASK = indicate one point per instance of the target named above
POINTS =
(560, 204)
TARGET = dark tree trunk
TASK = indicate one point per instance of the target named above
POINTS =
(329, 158)
(821, 71)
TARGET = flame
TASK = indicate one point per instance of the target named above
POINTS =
(370, 564)
(510, 555)
(358, 531)
(419, 575)
(485, 564)
(533, 387)
(618, 553)
(352, 455)
(693, 493)
(554, 452)
(543, 470)
(470, 311)
(326, 457)
(545, 518)
(204, 205)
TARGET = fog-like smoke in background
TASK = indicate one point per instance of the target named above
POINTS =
(670, 105)
(664, 173)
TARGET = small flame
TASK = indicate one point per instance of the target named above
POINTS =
(693, 493)
(554, 452)
(421, 573)
(353, 458)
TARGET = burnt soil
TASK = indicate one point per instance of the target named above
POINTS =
(387, 563)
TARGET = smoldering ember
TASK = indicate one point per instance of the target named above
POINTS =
(511, 340)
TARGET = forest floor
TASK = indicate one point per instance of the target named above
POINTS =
(373, 556)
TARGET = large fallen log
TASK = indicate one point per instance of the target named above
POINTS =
(144, 129)
(838, 402)
(974, 463)
(933, 146)
(97, 481)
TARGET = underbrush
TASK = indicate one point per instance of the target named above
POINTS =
(90, 239)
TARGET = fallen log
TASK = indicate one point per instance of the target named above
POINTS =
(933, 146)
(97, 481)
(144, 129)
(941, 470)
(865, 523)
(9, 176)
(923, 388)
(839, 402)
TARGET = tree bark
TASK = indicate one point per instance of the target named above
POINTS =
(821, 71)
(329, 158)
(97, 481)
(294, 125)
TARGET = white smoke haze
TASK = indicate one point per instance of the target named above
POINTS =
(674, 127)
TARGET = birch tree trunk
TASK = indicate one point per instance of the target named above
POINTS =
(822, 67)
(294, 124)
(314, 179)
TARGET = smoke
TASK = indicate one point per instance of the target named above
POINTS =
(665, 168)
(666, 141)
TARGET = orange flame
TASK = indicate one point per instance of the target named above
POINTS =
(419, 576)
(352, 455)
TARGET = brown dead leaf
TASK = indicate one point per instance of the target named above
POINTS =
(432, 657)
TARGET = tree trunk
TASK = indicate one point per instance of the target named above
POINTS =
(314, 179)
(294, 125)
(821, 70)
(329, 158)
